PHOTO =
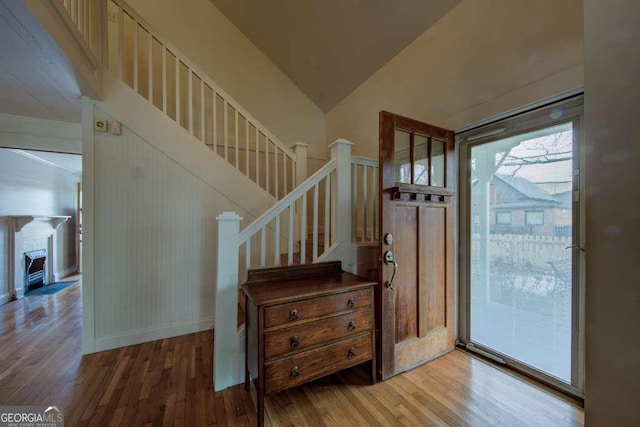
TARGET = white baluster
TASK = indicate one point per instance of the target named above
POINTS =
(178, 113)
(164, 79)
(275, 168)
(150, 66)
(246, 150)
(226, 132)
(237, 145)
(121, 43)
(190, 99)
(354, 201)
(257, 156)
(303, 230)
(314, 239)
(291, 236)
(135, 57)
(364, 202)
(263, 247)
(327, 205)
(202, 115)
(276, 250)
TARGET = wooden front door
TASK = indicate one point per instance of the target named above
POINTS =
(417, 188)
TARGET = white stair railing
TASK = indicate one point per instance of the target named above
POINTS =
(326, 196)
(364, 204)
(287, 219)
(159, 72)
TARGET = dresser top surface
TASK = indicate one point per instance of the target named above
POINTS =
(309, 284)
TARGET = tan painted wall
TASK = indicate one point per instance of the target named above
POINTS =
(483, 58)
(612, 67)
(208, 38)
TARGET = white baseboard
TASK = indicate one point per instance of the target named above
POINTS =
(59, 275)
(140, 336)
(5, 298)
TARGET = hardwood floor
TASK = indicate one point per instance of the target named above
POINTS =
(168, 382)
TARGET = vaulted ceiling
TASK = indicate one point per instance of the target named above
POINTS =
(329, 47)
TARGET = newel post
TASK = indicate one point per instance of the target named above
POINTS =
(341, 202)
(300, 175)
(300, 150)
(228, 356)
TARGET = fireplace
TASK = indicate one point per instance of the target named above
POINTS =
(28, 234)
(35, 268)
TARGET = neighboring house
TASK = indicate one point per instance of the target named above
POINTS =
(519, 206)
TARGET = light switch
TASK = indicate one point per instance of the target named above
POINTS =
(115, 127)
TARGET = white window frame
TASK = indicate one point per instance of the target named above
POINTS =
(536, 116)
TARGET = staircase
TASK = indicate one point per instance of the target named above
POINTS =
(161, 74)
(328, 216)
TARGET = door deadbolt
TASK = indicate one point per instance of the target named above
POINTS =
(388, 239)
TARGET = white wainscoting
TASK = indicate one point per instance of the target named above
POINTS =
(154, 229)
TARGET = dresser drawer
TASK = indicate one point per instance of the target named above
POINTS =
(309, 335)
(306, 366)
(299, 311)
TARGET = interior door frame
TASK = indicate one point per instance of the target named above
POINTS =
(569, 109)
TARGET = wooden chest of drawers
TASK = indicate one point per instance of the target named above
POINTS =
(305, 322)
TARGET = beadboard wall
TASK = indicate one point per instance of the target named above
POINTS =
(156, 195)
(30, 187)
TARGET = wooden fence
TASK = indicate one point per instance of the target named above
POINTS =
(523, 250)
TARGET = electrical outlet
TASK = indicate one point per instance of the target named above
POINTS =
(100, 125)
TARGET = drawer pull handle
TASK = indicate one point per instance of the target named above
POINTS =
(352, 353)
(351, 302)
(352, 326)
(295, 341)
(293, 315)
(295, 372)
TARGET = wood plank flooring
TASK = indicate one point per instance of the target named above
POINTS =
(169, 382)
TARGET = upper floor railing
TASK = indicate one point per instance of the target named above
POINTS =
(84, 14)
(364, 200)
(159, 72)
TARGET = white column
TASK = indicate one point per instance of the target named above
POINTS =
(300, 150)
(341, 202)
(228, 353)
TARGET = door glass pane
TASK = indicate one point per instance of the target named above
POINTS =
(421, 156)
(521, 281)
(402, 157)
(437, 163)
